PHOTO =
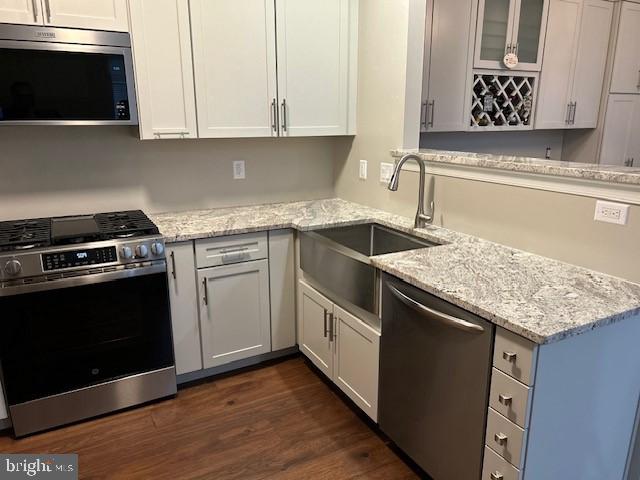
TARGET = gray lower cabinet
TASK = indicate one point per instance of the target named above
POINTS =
(184, 308)
(235, 319)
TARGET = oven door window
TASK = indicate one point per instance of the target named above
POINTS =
(61, 85)
(65, 339)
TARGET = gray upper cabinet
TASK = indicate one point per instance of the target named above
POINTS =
(626, 65)
(184, 309)
(234, 312)
(511, 26)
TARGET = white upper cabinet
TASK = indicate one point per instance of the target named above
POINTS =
(446, 65)
(626, 65)
(574, 63)
(161, 41)
(89, 14)
(314, 40)
(621, 142)
(510, 26)
(25, 12)
(234, 48)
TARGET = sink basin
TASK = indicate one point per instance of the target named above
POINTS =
(339, 259)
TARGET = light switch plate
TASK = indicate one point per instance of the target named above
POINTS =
(386, 170)
(610, 212)
(363, 170)
(238, 170)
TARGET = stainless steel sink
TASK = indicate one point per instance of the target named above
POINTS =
(339, 259)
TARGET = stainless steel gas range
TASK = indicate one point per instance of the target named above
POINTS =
(86, 324)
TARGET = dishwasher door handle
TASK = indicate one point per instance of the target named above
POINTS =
(432, 314)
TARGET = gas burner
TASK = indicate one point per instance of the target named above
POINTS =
(24, 234)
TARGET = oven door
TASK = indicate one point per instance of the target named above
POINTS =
(45, 83)
(78, 332)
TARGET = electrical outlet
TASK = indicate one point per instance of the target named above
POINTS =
(386, 170)
(611, 212)
(238, 170)
(363, 170)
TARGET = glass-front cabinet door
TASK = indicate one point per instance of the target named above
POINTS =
(511, 26)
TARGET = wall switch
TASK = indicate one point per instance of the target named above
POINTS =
(238, 170)
(386, 170)
(363, 170)
(611, 212)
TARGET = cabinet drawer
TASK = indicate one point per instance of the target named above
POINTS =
(509, 397)
(497, 468)
(514, 355)
(232, 249)
(504, 437)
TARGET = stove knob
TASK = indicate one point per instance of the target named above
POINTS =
(13, 267)
(127, 253)
(142, 251)
(157, 248)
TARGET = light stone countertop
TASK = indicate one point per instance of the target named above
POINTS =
(541, 299)
(587, 171)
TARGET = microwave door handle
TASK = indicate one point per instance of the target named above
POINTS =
(432, 314)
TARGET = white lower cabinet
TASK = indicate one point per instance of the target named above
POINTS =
(343, 347)
(235, 322)
(184, 307)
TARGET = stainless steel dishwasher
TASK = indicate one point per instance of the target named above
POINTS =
(435, 367)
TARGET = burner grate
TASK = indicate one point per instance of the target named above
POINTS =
(125, 224)
(25, 234)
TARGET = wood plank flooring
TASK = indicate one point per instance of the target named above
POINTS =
(280, 421)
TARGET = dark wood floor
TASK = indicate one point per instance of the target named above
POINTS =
(278, 421)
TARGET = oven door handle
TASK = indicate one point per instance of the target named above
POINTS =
(80, 280)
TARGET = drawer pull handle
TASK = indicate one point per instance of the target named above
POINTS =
(326, 330)
(497, 476)
(501, 438)
(506, 400)
(510, 356)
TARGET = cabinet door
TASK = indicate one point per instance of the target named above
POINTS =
(633, 151)
(25, 12)
(234, 50)
(448, 71)
(164, 69)
(530, 26)
(184, 306)
(90, 14)
(626, 65)
(494, 32)
(314, 56)
(234, 312)
(357, 359)
(315, 313)
(619, 129)
(556, 80)
(283, 286)
(591, 59)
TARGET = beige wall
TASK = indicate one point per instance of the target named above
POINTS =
(66, 170)
(551, 224)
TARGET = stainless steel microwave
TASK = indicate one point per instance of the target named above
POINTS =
(60, 76)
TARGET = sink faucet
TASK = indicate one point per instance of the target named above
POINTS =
(422, 219)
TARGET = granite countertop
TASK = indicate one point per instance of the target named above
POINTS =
(587, 171)
(541, 299)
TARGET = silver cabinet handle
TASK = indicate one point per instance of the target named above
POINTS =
(432, 112)
(326, 330)
(173, 266)
(638, 85)
(206, 291)
(432, 314)
(332, 333)
(629, 162)
(34, 5)
(47, 7)
(573, 114)
(284, 115)
(497, 476)
(159, 135)
(274, 115)
(423, 114)
(567, 118)
(510, 356)
(506, 400)
(500, 438)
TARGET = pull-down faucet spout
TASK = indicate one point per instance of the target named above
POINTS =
(422, 218)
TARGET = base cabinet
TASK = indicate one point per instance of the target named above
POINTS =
(342, 346)
(234, 312)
